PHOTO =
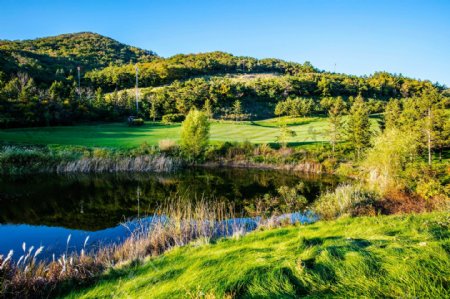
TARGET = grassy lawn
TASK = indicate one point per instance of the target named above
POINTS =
(120, 135)
(368, 257)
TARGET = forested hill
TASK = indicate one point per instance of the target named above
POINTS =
(52, 58)
(110, 64)
(184, 66)
(39, 84)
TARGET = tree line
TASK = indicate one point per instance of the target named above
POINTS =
(24, 102)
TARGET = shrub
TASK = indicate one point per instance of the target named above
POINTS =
(135, 122)
(144, 149)
(217, 150)
(263, 150)
(346, 169)
(292, 197)
(173, 118)
(101, 153)
(167, 145)
(195, 134)
(390, 155)
(294, 107)
(429, 188)
(346, 200)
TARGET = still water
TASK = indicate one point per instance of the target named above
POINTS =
(46, 209)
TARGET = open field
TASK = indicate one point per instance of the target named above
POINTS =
(367, 257)
(120, 135)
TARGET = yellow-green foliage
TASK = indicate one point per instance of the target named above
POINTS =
(346, 200)
(388, 157)
(195, 134)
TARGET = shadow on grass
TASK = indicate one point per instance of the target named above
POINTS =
(277, 124)
(276, 145)
(259, 280)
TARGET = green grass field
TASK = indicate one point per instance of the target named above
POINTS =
(366, 257)
(309, 130)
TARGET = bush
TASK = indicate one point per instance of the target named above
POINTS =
(195, 134)
(143, 149)
(173, 118)
(294, 107)
(101, 153)
(390, 155)
(430, 188)
(167, 145)
(135, 122)
(346, 200)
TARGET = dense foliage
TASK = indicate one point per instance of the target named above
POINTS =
(194, 134)
(39, 83)
(55, 58)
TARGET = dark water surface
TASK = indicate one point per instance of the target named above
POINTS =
(45, 209)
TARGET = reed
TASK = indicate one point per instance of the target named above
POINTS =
(175, 223)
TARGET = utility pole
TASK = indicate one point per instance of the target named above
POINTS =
(137, 90)
(79, 83)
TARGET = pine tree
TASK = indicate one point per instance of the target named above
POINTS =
(358, 126)
(335, 122)
(237, 110)
(208, 109)
(392, 114)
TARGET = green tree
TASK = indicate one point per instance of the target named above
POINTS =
(237, 110)
(443, 140)
(99, 96)
(335, 122)
(285, 135)
(294, 107)
(358, 126)
(194, 134)
(208, 109)
(431, 105)
(153, 112)
(392, 114)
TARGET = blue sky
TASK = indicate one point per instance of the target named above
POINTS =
(360, 37)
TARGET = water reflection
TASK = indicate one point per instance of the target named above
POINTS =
(45, 209)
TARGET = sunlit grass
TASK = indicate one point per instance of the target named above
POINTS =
(120, 135)
(394, 256)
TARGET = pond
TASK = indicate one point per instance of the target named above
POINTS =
(44, 210)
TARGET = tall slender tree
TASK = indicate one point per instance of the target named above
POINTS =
(208, 109)
(431, 106)
(237, 110)
(358, 126)
(335, 122)
(392, 114)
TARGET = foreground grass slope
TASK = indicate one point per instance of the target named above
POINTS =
(392, 256)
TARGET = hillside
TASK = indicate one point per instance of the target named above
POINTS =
(39, 84)
(50, 58)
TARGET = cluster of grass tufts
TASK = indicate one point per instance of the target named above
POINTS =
(15, 159)
(37, 159)
(346, 200)
(365, 257)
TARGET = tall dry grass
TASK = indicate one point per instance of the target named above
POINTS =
(175, 223)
